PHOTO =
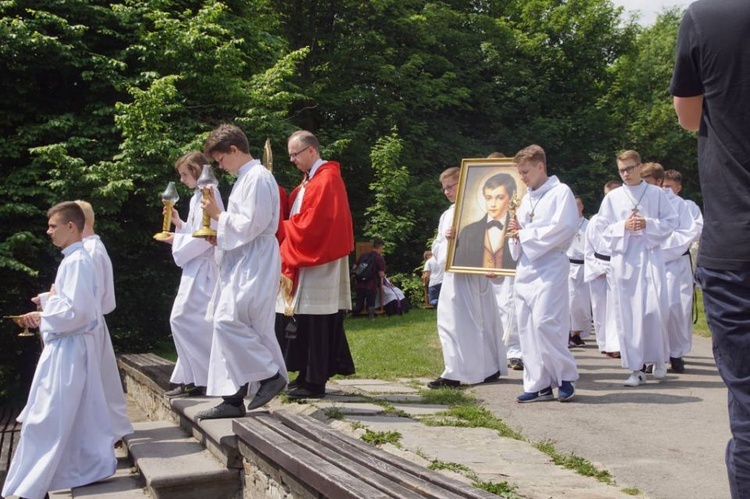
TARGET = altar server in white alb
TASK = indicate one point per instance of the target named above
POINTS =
(67, 437)
(673, 182)
(679, 272)
(635, 221)
(598, 276)
(105, 291)
(191, 331)
(546, 222)
(468, 318)
(244, 348)
(580, 296)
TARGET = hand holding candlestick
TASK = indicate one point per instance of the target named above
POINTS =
(169, 197)
(207, 183)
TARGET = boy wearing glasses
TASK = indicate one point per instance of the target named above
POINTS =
(244, 349)
(634, 222)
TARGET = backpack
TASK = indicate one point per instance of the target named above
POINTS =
(366, 269)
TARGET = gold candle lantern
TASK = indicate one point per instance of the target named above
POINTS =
(169, 197)
(206, 183)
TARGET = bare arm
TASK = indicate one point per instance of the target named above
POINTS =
(689, 111)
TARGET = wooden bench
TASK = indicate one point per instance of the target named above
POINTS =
(309, 459)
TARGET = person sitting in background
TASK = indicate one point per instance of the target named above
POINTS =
(393, 301)
(368, 272)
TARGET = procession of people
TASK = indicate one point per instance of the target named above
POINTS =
(267, 290)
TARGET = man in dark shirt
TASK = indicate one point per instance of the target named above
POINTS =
(711, 89)
(367, 290)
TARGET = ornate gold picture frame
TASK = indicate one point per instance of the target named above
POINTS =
(489, 192)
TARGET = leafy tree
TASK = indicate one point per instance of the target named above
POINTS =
(98, 100)
(642, 106)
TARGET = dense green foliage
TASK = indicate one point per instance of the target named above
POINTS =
(97, 100)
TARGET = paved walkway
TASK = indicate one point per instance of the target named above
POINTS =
(664, 438)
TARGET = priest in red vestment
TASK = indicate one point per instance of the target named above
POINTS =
(315, 244)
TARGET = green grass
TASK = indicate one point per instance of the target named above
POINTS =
(404, 346)
(471, 415)
(575, 463)
(701, 328)
(382, 437)
(631, 491)
(501, 489)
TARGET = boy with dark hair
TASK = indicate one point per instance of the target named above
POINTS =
(244, 348)
(67, 437)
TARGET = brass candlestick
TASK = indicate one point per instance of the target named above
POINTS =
(169, 197)
(206, 182)
(512, 209)
(268, 155)
(17, 320)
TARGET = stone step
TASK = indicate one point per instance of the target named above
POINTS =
(215, 435)
(126, 483)
(175, 466)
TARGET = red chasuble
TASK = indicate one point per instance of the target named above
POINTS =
(322, 230)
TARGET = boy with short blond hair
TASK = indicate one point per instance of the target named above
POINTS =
(546, 222)
(635, 220)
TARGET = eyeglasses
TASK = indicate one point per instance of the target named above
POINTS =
(629, 169)
(449, 187)
(293, 155)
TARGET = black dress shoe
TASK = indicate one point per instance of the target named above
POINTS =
(269, 388)
(443, 383)
(492, 378)
(305, 393)
(297, 383)
(222, 411)
(678, 365)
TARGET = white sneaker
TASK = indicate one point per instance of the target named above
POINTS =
(660, 370)
(636, 378)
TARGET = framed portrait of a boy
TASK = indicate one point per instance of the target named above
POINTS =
(489, 192)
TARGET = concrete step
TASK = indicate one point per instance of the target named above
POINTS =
(126, 483)
(215, 435)
(175, 466)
